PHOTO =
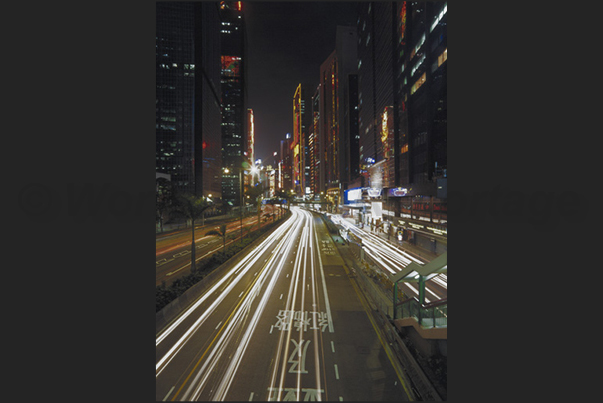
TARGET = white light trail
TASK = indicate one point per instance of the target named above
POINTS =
(272, 271)
(240, 270)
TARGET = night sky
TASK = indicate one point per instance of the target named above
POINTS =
(287, 43)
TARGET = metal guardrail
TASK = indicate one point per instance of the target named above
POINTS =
(428, 315)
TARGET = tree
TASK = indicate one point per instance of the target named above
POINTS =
(192, 207)
(221, 233)
(255, 193)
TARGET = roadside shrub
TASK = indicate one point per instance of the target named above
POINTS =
(165, 294)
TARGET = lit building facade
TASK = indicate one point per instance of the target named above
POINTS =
(315, 144)
(250, 153)
(234, 111)
(421, 90)
(299, 145)
(375, 82)
(329, 124)
(338, 116)
(286, 181)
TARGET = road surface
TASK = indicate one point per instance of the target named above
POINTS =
(284, 323)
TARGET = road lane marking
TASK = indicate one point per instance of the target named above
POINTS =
(251, 396)
(332, 346)
(300, 353)
(340, 399)
(271, 327)
(336, 372)
(175, 271)
(241, 293)
(166, 396)
(281, 296)
(218, 325)
(324, 288)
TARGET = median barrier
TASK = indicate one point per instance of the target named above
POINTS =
(171, 311)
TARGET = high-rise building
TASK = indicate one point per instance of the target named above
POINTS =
(234, 111)
(250, 153)
(375, 82)
(420, 121)
(297, 145)
(421, 92)
(347, 93)
(329, 124)
(188, 96)
(286, 181)
(315, 144)
(338, 115)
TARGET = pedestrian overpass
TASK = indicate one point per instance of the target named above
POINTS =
(430, 320)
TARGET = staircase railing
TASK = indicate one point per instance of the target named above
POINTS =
(434, 314)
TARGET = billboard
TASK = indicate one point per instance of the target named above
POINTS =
(231, 66)
(397, 192)
(353, 194)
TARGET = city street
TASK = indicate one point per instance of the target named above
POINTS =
(284, 323)
(172, 256)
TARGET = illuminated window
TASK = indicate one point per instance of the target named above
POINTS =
(443, 57)
(417, 84)
(416, 48)
(417, 64)
(439, 17)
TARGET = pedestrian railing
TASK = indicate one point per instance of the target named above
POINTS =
(434, 314)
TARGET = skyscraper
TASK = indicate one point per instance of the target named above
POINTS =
(421, 90)
(420, 97)
(346, 50)
(188, 95)
(286, 164)
(338, 115)
(315, 144)
(375, 82)
(329, 124)
(250, 152)
(234, 111)
(299, 111)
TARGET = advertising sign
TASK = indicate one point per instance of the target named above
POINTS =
(397, 192)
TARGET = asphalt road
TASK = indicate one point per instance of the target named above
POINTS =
(284, 323)
(172, 256)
